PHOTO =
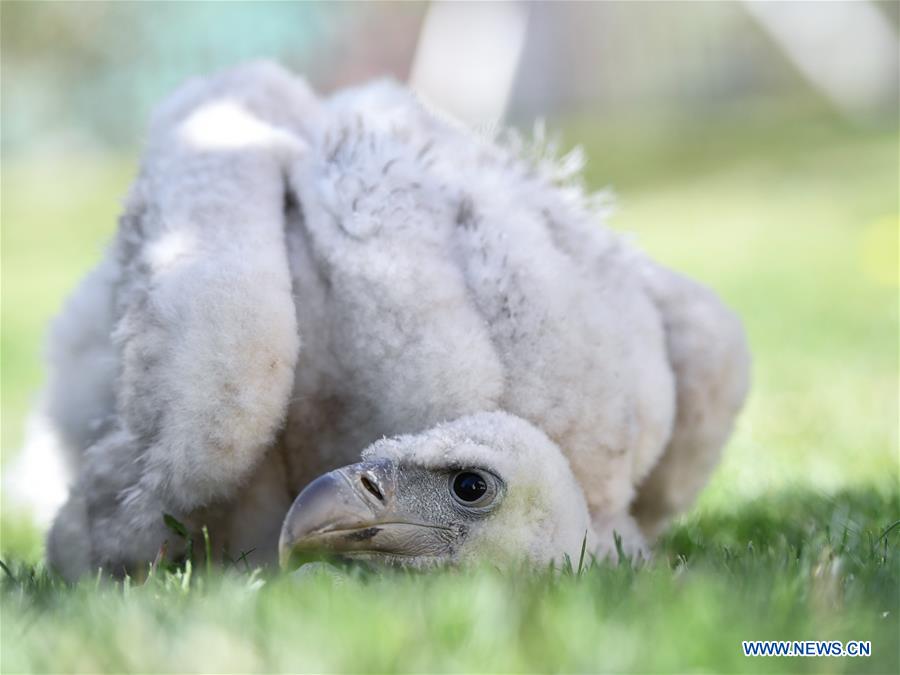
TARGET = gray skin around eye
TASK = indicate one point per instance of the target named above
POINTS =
(427, 492)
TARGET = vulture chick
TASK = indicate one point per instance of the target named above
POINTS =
(298, 284)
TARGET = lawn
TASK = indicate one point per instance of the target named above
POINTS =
(792, 218)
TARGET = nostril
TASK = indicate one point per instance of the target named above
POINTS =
(370, 485)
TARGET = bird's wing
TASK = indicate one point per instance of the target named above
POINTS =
(708, 352)
(204, 331)
(208, 335)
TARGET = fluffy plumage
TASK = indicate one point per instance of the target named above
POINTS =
(294, 279)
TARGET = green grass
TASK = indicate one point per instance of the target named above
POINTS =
(794, 223)
(791, 568)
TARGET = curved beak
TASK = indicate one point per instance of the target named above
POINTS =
(354, 511)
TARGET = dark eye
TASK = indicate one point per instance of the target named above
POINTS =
(475, 488)
(469, 487)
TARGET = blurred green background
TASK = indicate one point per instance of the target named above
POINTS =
(729, 162)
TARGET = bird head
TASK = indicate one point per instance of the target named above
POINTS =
(489, 487)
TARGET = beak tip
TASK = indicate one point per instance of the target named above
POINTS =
(284, 551)
(330, 501)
